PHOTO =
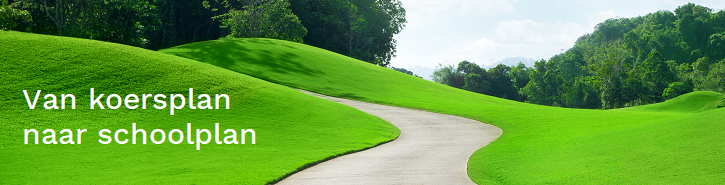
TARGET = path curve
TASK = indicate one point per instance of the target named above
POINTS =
(432, 149)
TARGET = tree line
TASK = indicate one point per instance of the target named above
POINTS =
(361, 29)
(624, 62)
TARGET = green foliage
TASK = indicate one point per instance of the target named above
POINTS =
(676, 89)
(583, 94)
(149, 24)
(571, 64)
(717, 44)
(689, 103)
(545, 85)
(520, 75)
(403, 70)
(361, 29)
(449, 75)
(263, 19)
(465, 67)
(498, 81)
(181, 22)
(625, 62)
(714, 80)
(633, 61)
(475, 83)
(13, 18)
(656, 72)
(475, 78)
(722, 103)
(501, 83)
(124, 22)
(540, 144)
(612, 29)
(292, 129)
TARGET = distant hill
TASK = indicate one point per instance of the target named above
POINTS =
(540, 144)
(293, 130)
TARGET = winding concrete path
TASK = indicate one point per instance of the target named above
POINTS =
(432, 149)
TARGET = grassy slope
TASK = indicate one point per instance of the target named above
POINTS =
(292, 129)
(540, 144)
(691, 103)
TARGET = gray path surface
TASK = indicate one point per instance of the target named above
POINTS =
(432, 149)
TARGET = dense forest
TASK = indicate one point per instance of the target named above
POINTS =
(624, 62)
(362, 29)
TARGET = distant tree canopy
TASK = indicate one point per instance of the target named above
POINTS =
(403, 70)
(624, 62)
(262, 18)
(362, 29)
(149, 24)
(501, 81)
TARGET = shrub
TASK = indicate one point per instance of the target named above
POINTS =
(676, 89)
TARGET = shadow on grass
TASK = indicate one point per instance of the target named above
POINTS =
(236, 55)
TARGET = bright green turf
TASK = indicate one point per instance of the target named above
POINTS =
(693, 102)
(540, 144)
(293, 129)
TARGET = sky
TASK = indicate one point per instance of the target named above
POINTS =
(488, 31)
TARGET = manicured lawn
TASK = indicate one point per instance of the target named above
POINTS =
(691, 103)
(679, 141)
(292, 129)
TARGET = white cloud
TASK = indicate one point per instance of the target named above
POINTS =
(475, 46)
(485, 31)
(601, 17)
(528, 31)
(519, 38)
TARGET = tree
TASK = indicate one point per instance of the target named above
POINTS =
(186, 21)
(634, 92)
(676, 89)
(501, 84)
(496, 82)
(570, 63)
(14, 18)
(717, 45)
(657, 74)
(583, 93)
(125, 22)
(607, 64)
(403, 70)
(465, 67)
(361, 29)
(448, 75)
(520, 77)
(475, 78)
(59, 10)
(714, 80)
(545, 85)
(263, 19)
(475, 83)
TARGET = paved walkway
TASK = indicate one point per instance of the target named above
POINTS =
(432, 149)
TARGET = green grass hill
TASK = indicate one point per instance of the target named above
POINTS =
(292, 129)
(691, 102)
(672, 142)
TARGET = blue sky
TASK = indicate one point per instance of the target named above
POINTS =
(488, 31)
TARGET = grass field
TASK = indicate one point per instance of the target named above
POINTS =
(292, 129)
(678, 141)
